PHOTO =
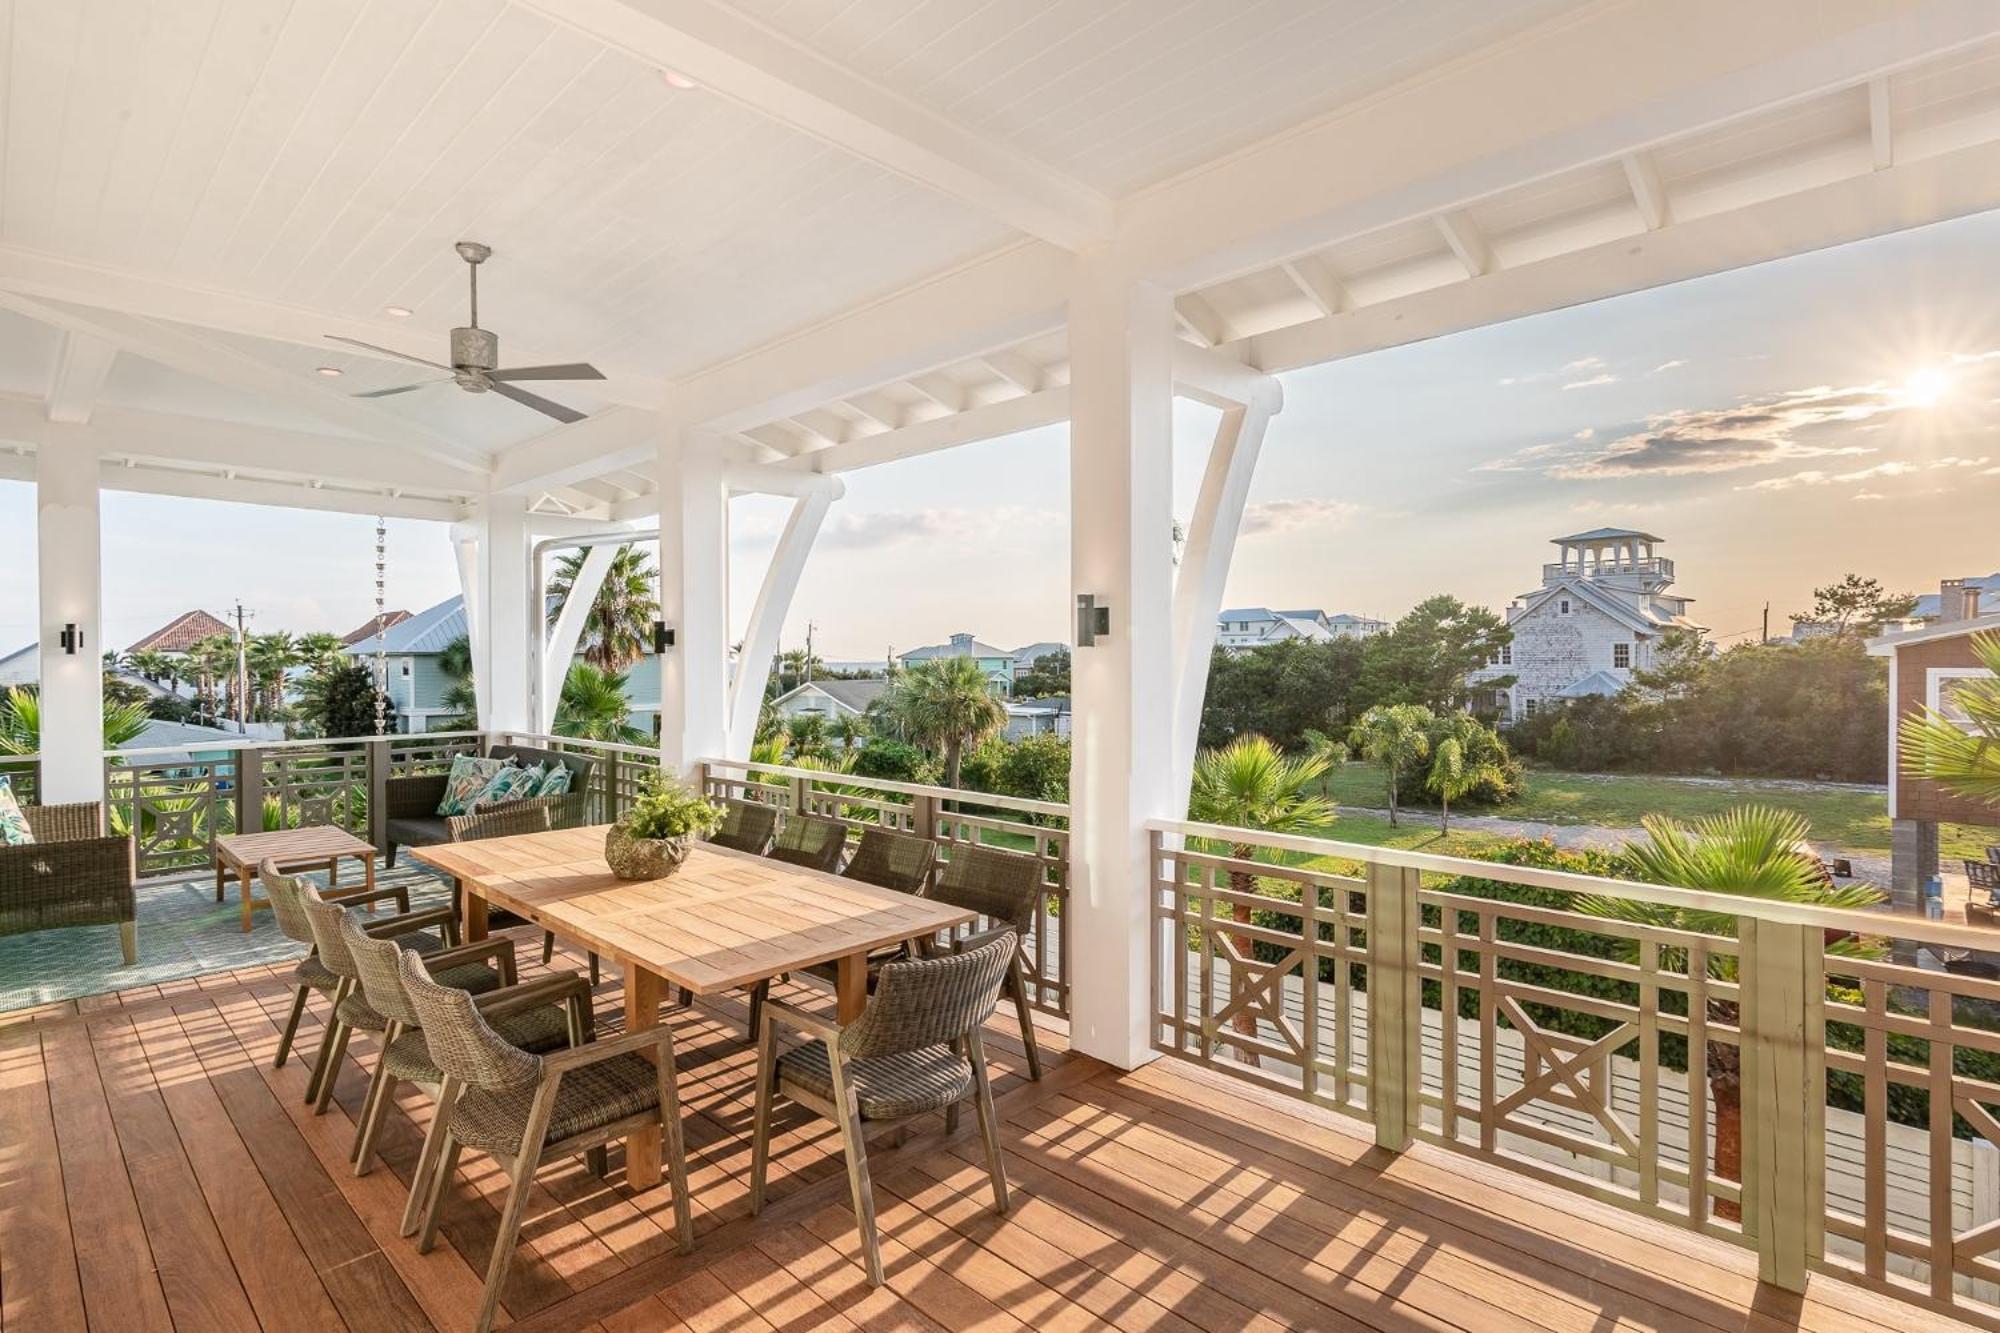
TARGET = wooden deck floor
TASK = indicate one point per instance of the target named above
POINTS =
(156, 1173)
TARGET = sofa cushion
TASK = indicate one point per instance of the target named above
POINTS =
(556, 782)
(509, 784)
(468, 777)
(14, 830)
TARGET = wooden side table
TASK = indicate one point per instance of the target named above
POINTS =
(289, 849)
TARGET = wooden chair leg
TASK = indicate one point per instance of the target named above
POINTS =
(325, 1043)
(760, 1132)
(989, 1127)
(447, 1167)
(330, 1075)
(128, 941)
(523, 1180)
(427, 1159)
(1018, 981)
(675, 1142)
(291, 1026)
(548, 946)
(863, 1190)
(595, 975)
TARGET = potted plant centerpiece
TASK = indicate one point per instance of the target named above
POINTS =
(652, 838)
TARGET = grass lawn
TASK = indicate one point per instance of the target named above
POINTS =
(1853, 818)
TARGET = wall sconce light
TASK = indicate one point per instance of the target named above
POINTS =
(663, 636)
(1092, 620)
(71, 639)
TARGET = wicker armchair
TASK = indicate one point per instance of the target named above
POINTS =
(1004, 888)
(915, 1049)
(410, 817)
(811, 842)
(746, 826)
(1983, 877)
(286, 894)
(72, 874)
(522, 1108)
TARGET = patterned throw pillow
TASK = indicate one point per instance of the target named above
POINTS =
(557, 782)
(509, 784)
(468, 778)
(14, 830)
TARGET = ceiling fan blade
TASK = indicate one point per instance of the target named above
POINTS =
(400, 388)
(387, 351)
(574, 370)
(539, 403)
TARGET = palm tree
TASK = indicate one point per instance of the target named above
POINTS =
(1464, 756)
(849, 729)
(1749, 852)
(593, 706)
(1252, 784)
(21, 722)
(318, 648)
(946, 703)
(1964, 759)
(461, 695)
(270, 657)
(620, 623)
(796, 666)
(211, 664)
(1396, 736)
(807, 733)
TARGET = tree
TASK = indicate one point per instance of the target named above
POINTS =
(945, 703)
(339, 701)
(1466, 755)
(461, 691)
(1048, 676)
(1252, 784)
(593, 706)
(270, 657)
(1962, 759)
(1396, 736)
(1749, 852)
(1427, 655)
(1856, 606)
(808, 734)
(21, 721)
(318, 648)
(619, 625)
(1280, 691)
(850, 729)
(794, 667)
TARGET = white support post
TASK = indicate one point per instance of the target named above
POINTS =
(774, 602)
(1211, 542)
(568, 630)
(72, 679)
(1121, 553)
(493, 568)
(465, 543)
(694, 599)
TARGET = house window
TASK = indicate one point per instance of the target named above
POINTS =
(1562, 607)
(406, 670)
(1506, 654)
(1621, 656)
(1531, 707)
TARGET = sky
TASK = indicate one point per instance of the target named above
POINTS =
(1777, 427)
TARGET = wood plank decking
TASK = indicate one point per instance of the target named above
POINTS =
(156, 1173)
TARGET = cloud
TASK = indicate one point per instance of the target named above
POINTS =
(881, 529)
(1674, 364)
(1592, 382)
(1520, 459)
(1277, 516)
(1894, 468)
(1587, 433)
(1583, 363)
(1784, 427)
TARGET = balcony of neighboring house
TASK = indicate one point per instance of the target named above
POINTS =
(1653, 567)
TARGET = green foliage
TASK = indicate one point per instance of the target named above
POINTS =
(665, 808)
(1252, 784)
(1048, 677)
(1817, 709)
(1282, 691)
(1468, 759)
(21, 721)
(593, 706)
(808, 735)
(619, 627)
(1398, 737)
(1036, 768)
(339, 700)
(1965, 760)
(1856, 606)
(1426, 656)
(945, 704)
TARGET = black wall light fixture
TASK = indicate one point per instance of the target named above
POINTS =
(663, 636)
(1092, 621)
(71, 639)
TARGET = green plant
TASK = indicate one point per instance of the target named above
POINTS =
(1467, 756)
(619, 624)
(947, 704)
(21, 722)
(1396, 736)
(1965, 760)
(665, 808)
(593, 706)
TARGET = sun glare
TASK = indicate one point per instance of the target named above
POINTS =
(1926, 387)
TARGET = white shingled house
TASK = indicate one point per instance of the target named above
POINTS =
(1598, 616)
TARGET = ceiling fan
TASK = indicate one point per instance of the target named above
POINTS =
(475, 358)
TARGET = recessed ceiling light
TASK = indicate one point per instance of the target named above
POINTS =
(396, 311)
(330, 371)
(676, 79)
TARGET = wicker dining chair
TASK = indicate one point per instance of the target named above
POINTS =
(1005, 888)
(916, 1048)
(512, 821)
(483, 966)
(889, 860)
(522, 1108)
(746, 826)
(539, 1015)
(810, 841)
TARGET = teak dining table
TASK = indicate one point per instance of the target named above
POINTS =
(725, 920)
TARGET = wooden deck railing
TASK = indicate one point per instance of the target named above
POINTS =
(952, 817)
(1468, 1004)
(24, 775)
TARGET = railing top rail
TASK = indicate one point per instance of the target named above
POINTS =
(235, 743)
(611, 747)
(1722, 904)
(965, 797)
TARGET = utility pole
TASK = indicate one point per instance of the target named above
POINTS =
(242, 674)
(810, 627)
(1767, 624)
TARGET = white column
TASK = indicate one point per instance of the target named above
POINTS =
(774, 602)
(1121, 552)
(466, 539)
(505, 639)
(72, 682)
(567, 632)
(694, 600)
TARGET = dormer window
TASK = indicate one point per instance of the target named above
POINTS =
(1562, 607)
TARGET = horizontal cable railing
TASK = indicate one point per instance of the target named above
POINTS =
(1756, 1070)
(952, 817)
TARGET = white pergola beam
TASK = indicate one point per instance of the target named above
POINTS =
(1881, 125)
(1199, 320)
(1215, 378)
(567, 632)
(1015, 369)
(767, 617)
(1317, 282)
(1466, 242)
(82, 362)
(608, 441)
(147, 479)
(1649, 192)
(1006, 417)
(732, 55)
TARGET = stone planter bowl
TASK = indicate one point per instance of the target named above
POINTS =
(642, 858)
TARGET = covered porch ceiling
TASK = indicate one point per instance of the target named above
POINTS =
(838, 235)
